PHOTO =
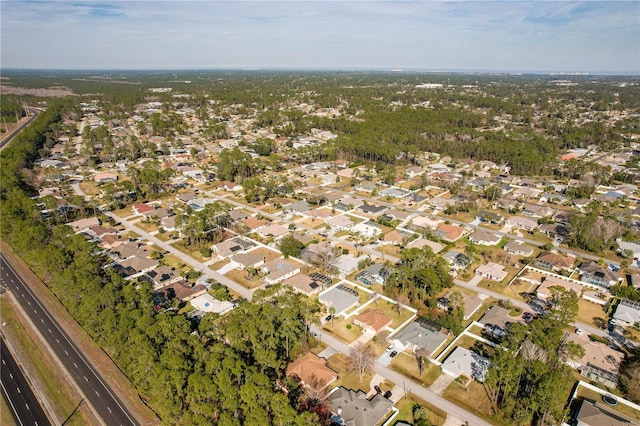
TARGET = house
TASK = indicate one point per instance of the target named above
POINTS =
(471, 304)
(273, 230)
(450, 233)
(492, 271)
(536, 211)
(467, 363)
(543, 291)
(136, 265)
(422, 242)
(374, 274)
(105, 177)
(496, 320)
(414, 172)
(246, 260)
(371, 209)
(373, 320)
(232, 246)
(520, 222)
(395, 214)
(348, 263)
(352, 408)
(394, 192)
(591, 273)
(367, 229)
(82, 225)
(439, 203)
(393, 237)
(253, 223)
(341, 298)
(420, 336)
(599, 363)
(181, 289)
(366, 187)
(632, 249)
(420, 223)
(207, 303)
(489, 217)
(142, 208)
(312, 371)
(592, 413)
(484, 238)
(627, 313)
(279, 269)
(341, 223)
(303, 284)
(554, 261)
(457, 259)
(518, 248)
(110, 241)
(161, 276)
(299, 207)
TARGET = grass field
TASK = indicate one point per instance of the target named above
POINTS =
(405, 406)
(473, 398)
(587, 311)
(406, 364)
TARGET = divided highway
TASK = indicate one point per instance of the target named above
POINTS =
(25, 408)
(106, 405)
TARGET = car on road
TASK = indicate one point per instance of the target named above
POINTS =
(392, 354)
(387, 394)
(377, 388)
(579, 331)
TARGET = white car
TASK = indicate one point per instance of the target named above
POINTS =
(579, 331)
(389, 348)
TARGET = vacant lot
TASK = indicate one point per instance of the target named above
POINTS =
(408, 365)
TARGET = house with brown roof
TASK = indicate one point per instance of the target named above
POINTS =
(450, 233)
(373, 320)
(303, 284)
(592, 413)
(253, 223)
(181, 289)
(393, 237)
(279, 269)
(312, 371)
(554, 261)
(142, 208)
(245, 260)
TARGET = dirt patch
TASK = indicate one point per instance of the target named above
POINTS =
(51, 92)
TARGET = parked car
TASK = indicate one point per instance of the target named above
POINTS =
(387, 394)
(377, 388)
(389, 348)
(579, 331)
(328, 318)
(314, 334)
(392, 354)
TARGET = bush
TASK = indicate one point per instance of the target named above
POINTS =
(348, 326)
(596, 338)
(205, 251)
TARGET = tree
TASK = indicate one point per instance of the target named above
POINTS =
(630, 377)
(290, 246)
(361, 359)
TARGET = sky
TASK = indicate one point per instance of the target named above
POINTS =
(508, 36)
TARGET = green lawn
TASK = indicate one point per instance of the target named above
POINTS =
(405, 406)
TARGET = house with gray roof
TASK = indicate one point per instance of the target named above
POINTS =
(627, 312)
(594, 274)
(518, 248)
(465, 362)
(279, 269)
(484, 238)
(352, 408)
(420, 335)
(340, 297)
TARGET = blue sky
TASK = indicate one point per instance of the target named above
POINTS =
(525, 36)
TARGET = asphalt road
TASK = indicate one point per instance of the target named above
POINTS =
(97, 393)
(14, 132)
(25, 408)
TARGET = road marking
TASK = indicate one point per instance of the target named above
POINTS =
(85, 378)
(11, 375)
(4, 362)
(27, 405)
(108, 408)
(28, 302)
(18, 389)
(57, 340)
(97, 393)
(41, 320)
(65, 351)
(75, 365)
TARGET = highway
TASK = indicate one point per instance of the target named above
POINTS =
(25, 408)
(106, 405)
(14, 132)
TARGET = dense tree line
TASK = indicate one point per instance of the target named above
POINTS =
(225, 370)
